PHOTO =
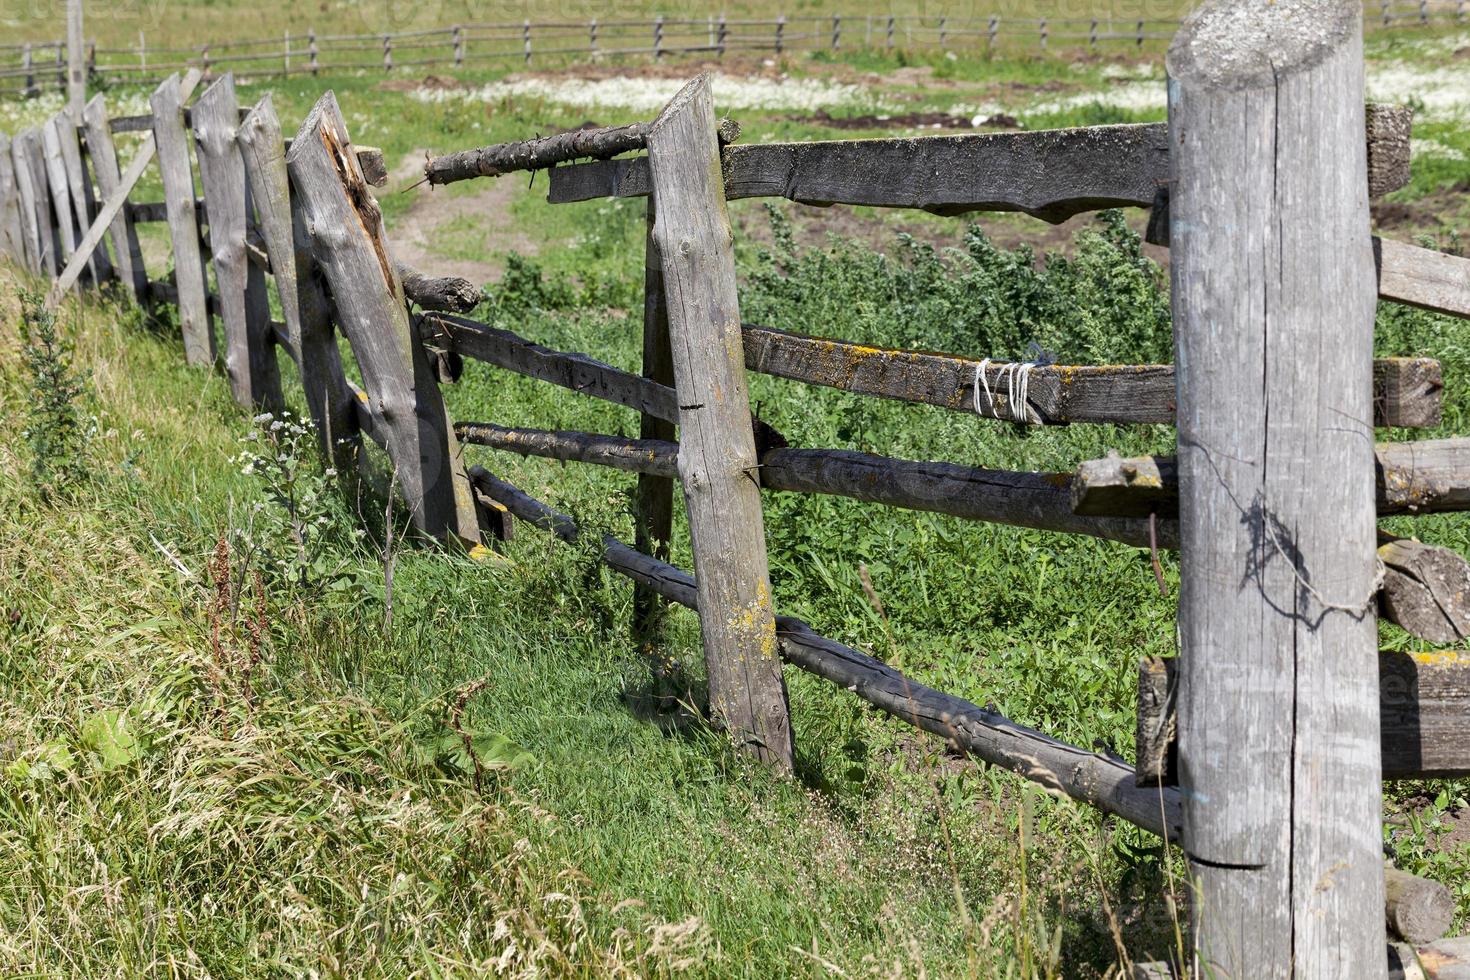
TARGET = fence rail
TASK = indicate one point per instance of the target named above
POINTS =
(316, 230)
(29, 68)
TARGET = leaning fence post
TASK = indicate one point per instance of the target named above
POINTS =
(12, 237)
(59, 187)
(35, 162)
(32, 209)
(655, 501)
(304, 305)
(717, 459)
(244, 307)
(183, 221)
(344, 228)
(83, 203)
(125, 247)
(1273, 300)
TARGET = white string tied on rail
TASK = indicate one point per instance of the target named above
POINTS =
(1017, 378)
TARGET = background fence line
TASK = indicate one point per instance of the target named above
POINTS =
(32, 67)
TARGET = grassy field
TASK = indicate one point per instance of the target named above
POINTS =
(202, 779)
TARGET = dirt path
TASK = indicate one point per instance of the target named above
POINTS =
(441, 231)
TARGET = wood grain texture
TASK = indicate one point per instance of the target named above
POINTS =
(59, 187)
(1419, 910)
(1444, 959)
(1099, 780)
(1407, 391)
(1388, 130)
(125, 248)
(245, 313)
(1422, 277)
(1426, 589)
(344, 228)
(1273, 308)
(450, 294)
(25, 189)
(306, 310)
(653, 501)
(717, 455)
(49, 247)
(183, 227)
(12, 235)
(79, 187)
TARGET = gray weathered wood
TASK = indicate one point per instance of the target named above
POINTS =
(12, 235)
(344, 227)
(1422, 701)
(653, 502)
(1419, 910)
(1426, 589)
(79, 188)
(1422, 277)
(304, 304)
(49, 246)
(1388, 128)
(25, 189)
(1407, 391)
(150, 211)
(1445, 959)
(717, 455)
(1426, 477)
(451, 294)
(1099, 780)
(59, 187)
(178, 193)
(125, 247)
(245, 313)
(1273, 306)
(578, 372)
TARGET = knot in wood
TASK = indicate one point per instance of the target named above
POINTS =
(685, 246)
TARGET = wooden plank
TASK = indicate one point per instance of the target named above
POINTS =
(1444, 959)
(1098, 780)
(1422, 277)
(50, 243)
(344, 229)
(717, 451)
(1426, 589)
(1422, 702)
(304, 304)
(59, 188)
(1273, 308)
(26, 193)
(577, 372)
(653, 501)
(125, 247)
(1407, 391)
(12, 236)
(79, 187)
(245, 313)
(1425, 477)
(178, 193)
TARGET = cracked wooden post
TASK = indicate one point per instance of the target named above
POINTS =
(183, 222)
(344, 229)
(12, 237)
(654, 505)
(32, 159)
(127, 252)
(304, 305)
(244, 306)
(717, 457)
(79, 185)
(1273, 302)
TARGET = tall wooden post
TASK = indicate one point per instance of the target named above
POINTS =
(1273, 301)
(83, 201)
(655, 500)
(125, 245)
(12, 237)
(183, 221)
(344, 230)
(717, 459)
(244, 306)
(76, 73)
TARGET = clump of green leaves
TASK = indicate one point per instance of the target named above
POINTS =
(58, 430)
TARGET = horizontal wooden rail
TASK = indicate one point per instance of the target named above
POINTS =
(1424, 699)
(1431, 476)
(1099, 780)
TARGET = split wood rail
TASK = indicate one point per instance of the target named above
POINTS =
(1261, 749)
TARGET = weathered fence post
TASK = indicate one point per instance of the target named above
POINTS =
(28, 64)
(592, 35)
(526, 39)
(12, 235)
(304, 305)
(345, 232)
(717, 459)
(46, 230)
(722, 32)
(387, 52)
(836, 32)
(1273, 298)
(654, 505)
(991, 30)
(128, 252)
(658, 37)
(458, 41)
(780, 32)
(56, 182)
(83, 203)
(244, 307)
(25, 186)
(183, 222)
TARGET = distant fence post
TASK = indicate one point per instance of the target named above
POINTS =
(990, 31)
(1092, 34)
(722, 31)
(458, 42)
(286, 52)
(658, 37)
(244, 306)
(889, 37)
(780, 32)
(1273, 300)
(592, 35)
(204, 61)
(836, 33)
(717, 456)
(1043, 33)
(311, 50)
(183, 222)
(526, 39)
(1140, 34)
(387, 52)
(28, 64)
(344, 229)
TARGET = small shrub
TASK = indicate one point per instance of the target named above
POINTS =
(58, 429)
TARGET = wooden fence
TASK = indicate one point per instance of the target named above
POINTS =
(29, 68)
(1260, 750)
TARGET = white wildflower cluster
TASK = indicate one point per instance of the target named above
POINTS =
(290, 526)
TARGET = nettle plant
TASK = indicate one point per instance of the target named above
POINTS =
(297, 531)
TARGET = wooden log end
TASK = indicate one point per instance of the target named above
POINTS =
(1419, 910)
(374, 169)
(1224, 44)
(1388, 128)
(1430, 595)
(1126, 487)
